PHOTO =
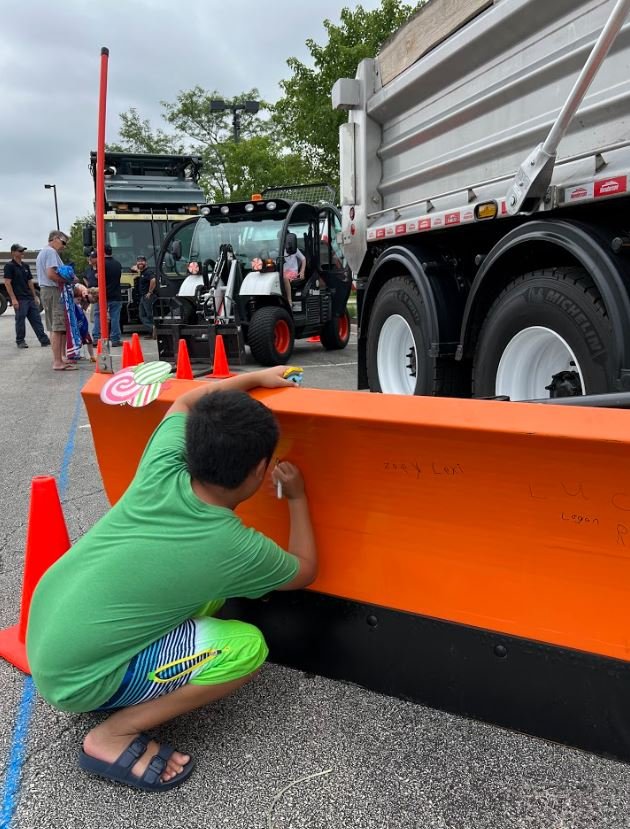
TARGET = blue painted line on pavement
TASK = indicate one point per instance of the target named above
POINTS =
(17, 751)
(62, 481)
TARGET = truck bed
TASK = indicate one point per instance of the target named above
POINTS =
(467, 113)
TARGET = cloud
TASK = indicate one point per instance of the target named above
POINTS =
(49, 76)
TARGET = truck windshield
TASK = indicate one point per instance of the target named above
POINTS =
(130, 238)
(250, 239)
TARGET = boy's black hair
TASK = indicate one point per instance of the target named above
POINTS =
(227, 434)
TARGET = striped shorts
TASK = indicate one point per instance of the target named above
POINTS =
(201, 651)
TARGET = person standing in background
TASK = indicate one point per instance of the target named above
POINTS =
(21, 290)
(90, 281)
(47, 263)
(113, 274)
(89, 275)
(146, 289)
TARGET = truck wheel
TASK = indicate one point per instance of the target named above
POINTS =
(271, 335)
(546, 335)
(398, 360)
(3, 303)
(335, 334)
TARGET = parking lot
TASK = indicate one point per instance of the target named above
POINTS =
(390, 764)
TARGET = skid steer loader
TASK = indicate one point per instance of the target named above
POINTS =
(227, 266)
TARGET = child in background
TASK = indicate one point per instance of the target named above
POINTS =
(294, 268)
(82, 298)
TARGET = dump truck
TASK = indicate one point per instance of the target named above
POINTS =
(484, 173)
(228, 265)
(145, 197)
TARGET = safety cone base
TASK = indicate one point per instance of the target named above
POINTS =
(13, 650)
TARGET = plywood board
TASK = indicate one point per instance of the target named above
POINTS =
(433, 23)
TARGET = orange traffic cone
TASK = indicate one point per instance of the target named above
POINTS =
(314, 339)
(99, 351)
(128, 359)
(184, 370)
(136, 349)
(46, 540)
(220, 369)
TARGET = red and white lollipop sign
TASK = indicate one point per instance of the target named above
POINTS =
(121, 388)
(137, 386)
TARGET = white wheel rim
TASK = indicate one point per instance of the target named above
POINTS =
(529, 362)
(395, 345)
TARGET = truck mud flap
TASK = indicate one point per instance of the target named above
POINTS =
(474, 555)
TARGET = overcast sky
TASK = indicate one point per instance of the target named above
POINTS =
(49, 76)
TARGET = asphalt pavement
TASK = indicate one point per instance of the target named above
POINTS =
(389, 764)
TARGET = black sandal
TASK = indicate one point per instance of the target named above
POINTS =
(120, 770)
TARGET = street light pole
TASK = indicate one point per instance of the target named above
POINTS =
(53, 187)
(251, 107)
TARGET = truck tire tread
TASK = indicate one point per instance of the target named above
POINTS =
(570, 275)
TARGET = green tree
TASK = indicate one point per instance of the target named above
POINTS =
(231, 169)
(139, 137)
(305, 111)
(73, 251)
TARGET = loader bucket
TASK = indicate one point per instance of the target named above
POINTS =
(474, 555)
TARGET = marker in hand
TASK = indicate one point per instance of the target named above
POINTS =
(279, 484)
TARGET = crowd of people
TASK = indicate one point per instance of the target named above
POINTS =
(70, 302)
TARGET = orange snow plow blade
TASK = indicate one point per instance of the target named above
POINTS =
(504, 516)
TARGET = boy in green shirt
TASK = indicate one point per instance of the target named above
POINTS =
(124, 620)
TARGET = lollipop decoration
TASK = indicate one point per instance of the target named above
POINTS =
(120, 388)
(146, 395)
(154, 372)
(137, 386)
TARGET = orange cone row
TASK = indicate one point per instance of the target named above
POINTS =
(220, 369)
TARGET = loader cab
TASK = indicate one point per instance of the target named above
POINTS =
(315, 229)
(249, 295)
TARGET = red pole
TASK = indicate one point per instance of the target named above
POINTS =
(100, 195)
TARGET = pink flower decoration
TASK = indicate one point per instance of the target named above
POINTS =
(257, 264)
(193, 267)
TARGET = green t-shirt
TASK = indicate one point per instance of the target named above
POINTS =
(156, 557)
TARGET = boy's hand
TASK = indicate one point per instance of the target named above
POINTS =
(291, 479)
(271, 378)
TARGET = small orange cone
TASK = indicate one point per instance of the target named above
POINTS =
(136, 349)
(128, 359)
(99, 350)
(220, 369)
(46, 540)
(314, 339)
(184, 370)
